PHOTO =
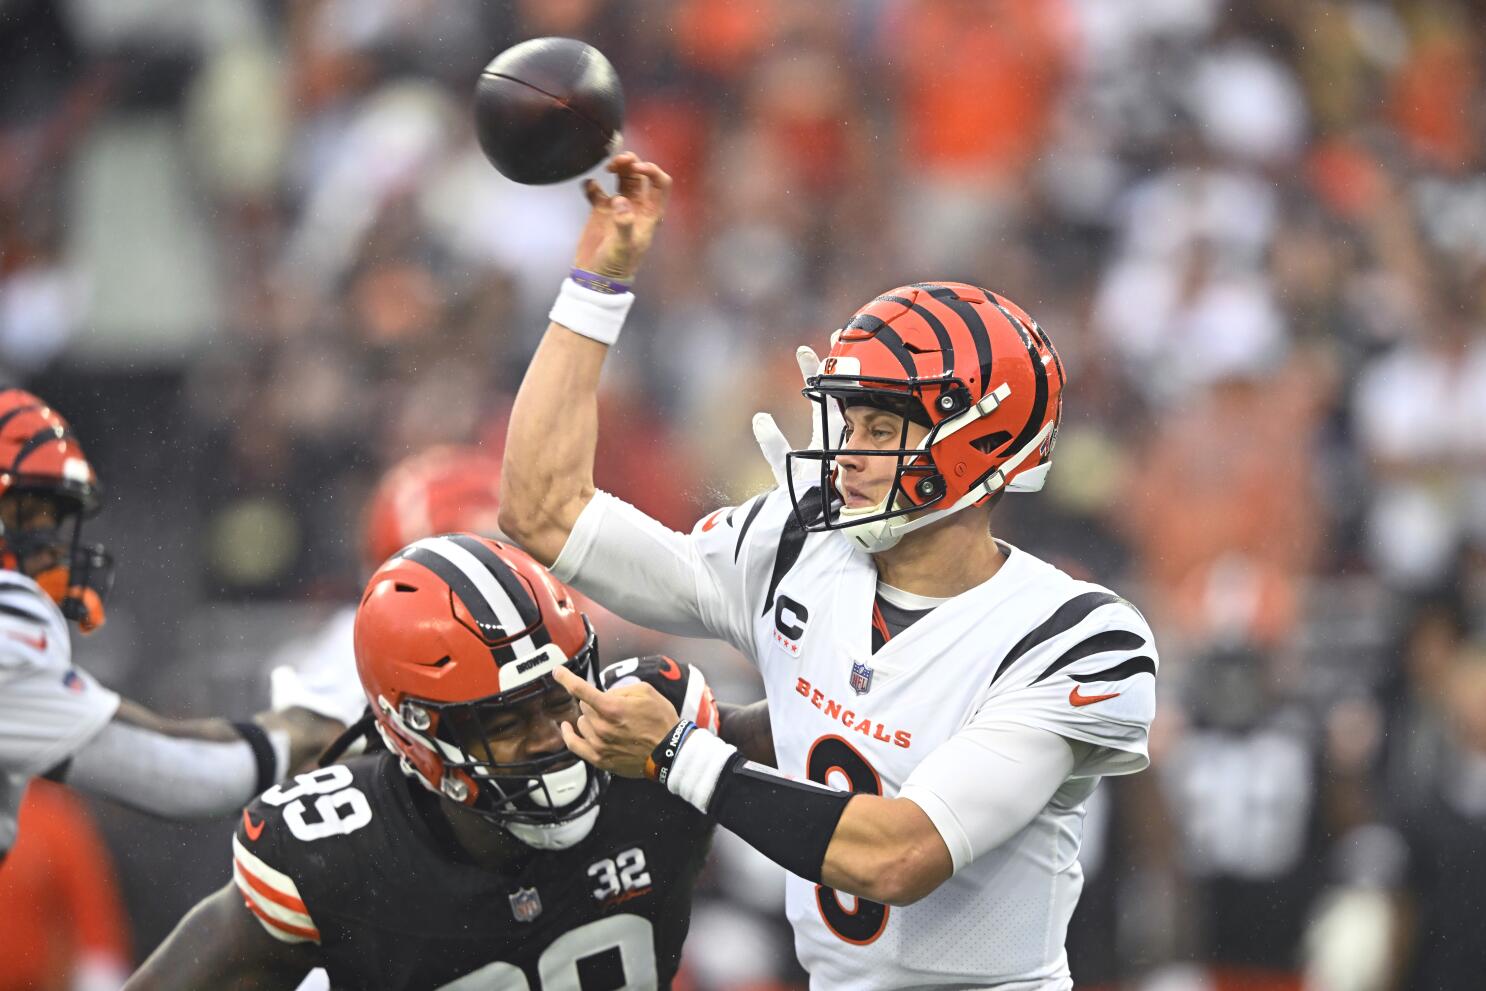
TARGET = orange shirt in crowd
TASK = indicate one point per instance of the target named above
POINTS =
(59, 901)
(980, 80)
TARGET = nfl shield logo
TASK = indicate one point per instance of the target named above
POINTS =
(526, 904)
(861, 678)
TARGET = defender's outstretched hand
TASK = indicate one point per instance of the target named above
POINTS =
(619, 729)
(621, 225)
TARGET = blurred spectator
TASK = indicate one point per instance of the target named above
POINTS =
(64, 923)
(1254, 231)
(1444, 833)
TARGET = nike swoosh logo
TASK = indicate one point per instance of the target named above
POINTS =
(712, 520)
(253, 831)
(1074, 698)
(670, 670)
(35, 643)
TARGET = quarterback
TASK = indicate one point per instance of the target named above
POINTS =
(475, 851)
(58, 720)
(942, 703)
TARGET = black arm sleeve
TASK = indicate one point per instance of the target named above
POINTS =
(790, 822)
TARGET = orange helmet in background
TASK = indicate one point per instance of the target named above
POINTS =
(441, 490)
(970, 366)
(39, 455)
(452, 632)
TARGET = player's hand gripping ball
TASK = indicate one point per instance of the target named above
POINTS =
(548, 109)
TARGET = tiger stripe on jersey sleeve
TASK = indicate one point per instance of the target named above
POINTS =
(22, 606)
(273, 897)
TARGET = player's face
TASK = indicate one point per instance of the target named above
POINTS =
(529, 730)
(864, 480)
(25, 511)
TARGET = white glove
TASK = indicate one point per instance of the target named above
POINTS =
(771, 440)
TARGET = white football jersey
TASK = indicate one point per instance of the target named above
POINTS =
(1030, 647)
(48, 708)
(318, 672)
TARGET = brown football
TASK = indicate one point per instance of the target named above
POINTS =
(548, 109)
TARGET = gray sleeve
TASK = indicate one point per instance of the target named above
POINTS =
(172, 776)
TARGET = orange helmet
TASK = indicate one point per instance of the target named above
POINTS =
(39, 455)
(443, 489)
(970, 366)
(452, 632)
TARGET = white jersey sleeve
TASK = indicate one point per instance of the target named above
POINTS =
(709, 583)
(318, 672)
(1086, 672)
(51, 707)
(987, 782)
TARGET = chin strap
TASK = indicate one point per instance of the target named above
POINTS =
(80, 603)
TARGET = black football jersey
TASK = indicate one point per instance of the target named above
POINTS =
(356, 859)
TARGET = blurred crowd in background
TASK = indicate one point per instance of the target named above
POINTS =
(251, 250)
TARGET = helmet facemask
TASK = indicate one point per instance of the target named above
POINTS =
(77, 576)
(550, 801)
(917, 494)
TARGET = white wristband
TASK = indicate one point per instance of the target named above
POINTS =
(596, 315)
(698, 767)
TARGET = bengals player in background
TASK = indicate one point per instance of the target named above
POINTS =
(475, 851)
(969, 694)
(60, 722)
(443, 489)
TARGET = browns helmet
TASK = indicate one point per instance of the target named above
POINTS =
(452, 633)
(967, 364)
(443, 489)
(39, 455)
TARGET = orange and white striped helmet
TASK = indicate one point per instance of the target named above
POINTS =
(967, 364)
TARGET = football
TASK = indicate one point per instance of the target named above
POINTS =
(548, 109)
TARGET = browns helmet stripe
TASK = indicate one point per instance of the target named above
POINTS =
(520, 596)
(1099, 643)
(502, 573)
(464, 590)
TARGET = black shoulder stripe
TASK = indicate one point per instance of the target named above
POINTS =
(1099, 643)
(9, 610)
(512, 585)
(1126, 669)
(1069, 615)
(753, 510)
(30, 590)
(791, 542)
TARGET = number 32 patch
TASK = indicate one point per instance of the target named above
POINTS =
(620, 878)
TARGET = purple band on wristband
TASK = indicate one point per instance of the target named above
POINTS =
(596, 282)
